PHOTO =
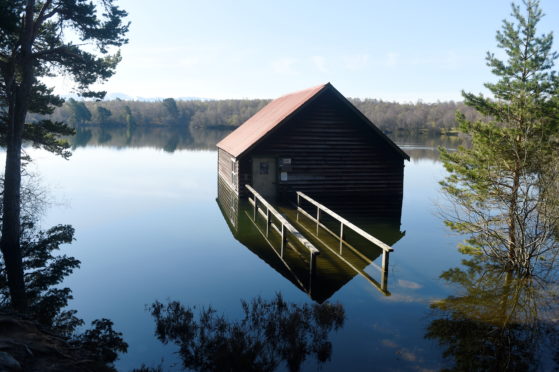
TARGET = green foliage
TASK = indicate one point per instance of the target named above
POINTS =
(44, 271)
(270, 332)
(102, 342)
(48, 301)
(47, 134)
(49, 50)
(499, 185)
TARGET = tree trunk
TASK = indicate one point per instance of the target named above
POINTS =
(18, 102)
(11, 224)
(11, 203)
(513, 214)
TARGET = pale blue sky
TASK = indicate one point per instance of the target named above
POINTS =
(399, 50)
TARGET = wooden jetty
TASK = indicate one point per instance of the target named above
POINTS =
(344, 227)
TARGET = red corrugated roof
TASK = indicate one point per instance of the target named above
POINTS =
(255, 128)
(275, 112)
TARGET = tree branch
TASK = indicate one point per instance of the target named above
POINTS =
(64, 49)
(39, 20)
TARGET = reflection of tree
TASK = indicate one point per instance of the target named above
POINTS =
(47, 300)
(82, 137)
(104, 136)
(271, 332)
(499, 321)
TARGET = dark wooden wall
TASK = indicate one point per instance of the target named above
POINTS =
(333, 152)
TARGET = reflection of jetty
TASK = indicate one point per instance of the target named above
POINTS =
(345, 228)
(317, 249)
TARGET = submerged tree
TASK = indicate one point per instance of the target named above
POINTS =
(38, 39)
(270, 332)
(503, 191)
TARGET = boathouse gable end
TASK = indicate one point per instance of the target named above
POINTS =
(323, 146)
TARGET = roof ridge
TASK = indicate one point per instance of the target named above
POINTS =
(265, 120)
(304, 90)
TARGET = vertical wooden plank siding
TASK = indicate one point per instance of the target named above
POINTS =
(228, 169)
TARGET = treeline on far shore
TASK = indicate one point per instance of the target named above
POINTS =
(433, 118)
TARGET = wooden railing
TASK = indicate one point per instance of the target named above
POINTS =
(279, 224)
(344, 225)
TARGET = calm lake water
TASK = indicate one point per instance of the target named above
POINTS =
(148, 227)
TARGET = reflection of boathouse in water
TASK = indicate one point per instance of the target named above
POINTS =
(337, 263)
(314, 147)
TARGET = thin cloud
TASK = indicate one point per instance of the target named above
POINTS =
(284, 66)
(409, 284)
(320, 63)
(356, 61)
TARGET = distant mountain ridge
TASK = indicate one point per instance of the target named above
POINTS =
(126, 97)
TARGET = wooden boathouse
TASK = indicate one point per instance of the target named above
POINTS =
(312, 141)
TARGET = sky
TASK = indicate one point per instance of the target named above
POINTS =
(398, 50)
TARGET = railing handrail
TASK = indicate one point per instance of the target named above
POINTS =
(313, 250)
(346, 223)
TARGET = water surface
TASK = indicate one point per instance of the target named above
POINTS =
(148, 228)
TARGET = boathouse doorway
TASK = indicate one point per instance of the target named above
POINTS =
(264, 176)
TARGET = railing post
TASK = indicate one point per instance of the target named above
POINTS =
(313, 264)
(341, 236)
(312, 270)
(298, 205)
(384, 277)
(385, 260)
(317, 219)
(282, 239)
(255, 207)
(267, 221)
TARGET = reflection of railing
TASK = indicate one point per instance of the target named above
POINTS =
(344, 224)
(275, 220)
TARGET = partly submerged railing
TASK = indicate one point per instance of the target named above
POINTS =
(279, 224)
(344, 225)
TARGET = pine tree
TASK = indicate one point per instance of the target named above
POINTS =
(502, 187)
(40, 38)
